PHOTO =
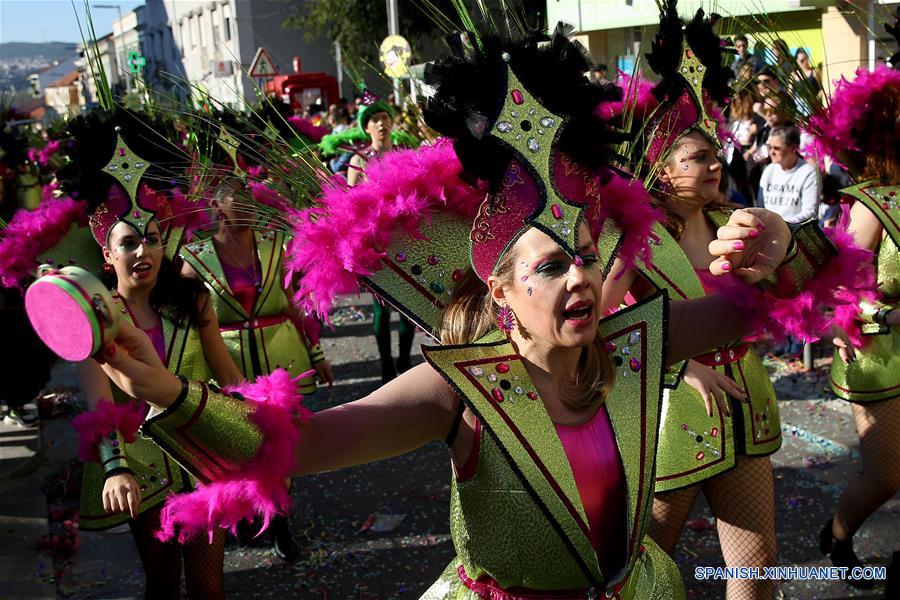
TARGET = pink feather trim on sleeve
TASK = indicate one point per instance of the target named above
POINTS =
(348, 235)
(31, 233)
(259, 488)
(849, 277)
(107, 418)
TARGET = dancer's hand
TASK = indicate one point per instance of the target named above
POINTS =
(131, 362)
(121, 493)
(323, 370)
(712, 386)
(751, 245)
(842, 342)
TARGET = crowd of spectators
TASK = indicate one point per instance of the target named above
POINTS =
(767, 163)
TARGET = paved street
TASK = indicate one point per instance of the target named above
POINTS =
(381, 531)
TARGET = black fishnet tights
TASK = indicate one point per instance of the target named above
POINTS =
(203, 562)
(878, 424)
(743, 502)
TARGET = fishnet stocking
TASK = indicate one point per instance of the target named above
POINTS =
(878, 425)
(203, 562)
(161, 562)
(670, 511)
(743, 502)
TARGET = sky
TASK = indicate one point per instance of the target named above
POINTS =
(54, 20)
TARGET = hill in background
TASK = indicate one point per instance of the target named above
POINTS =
(50, 51)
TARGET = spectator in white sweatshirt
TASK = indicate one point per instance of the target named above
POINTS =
(789, 185)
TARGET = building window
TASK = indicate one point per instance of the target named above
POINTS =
(226, 14)
(204, 31)
(216, 30)
(195, 30)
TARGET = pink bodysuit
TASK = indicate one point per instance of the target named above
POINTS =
(597, 467)
(242, 284)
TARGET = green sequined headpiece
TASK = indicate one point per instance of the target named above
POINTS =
(528, 196)
(127, 168)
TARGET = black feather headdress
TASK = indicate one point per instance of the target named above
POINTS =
(665, 57)
(471, 84)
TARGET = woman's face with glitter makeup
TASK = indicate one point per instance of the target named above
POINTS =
(136, 259)
(556, 299)
(693, 170)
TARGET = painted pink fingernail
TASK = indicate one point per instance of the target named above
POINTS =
(726, 267)
(754, 233)
(738, 245)
(761, 226)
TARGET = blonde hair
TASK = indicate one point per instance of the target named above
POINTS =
(472, 314)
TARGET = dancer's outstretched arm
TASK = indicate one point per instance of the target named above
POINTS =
(416, 408)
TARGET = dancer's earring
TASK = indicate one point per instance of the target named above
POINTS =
(506, 319)
(108, 267)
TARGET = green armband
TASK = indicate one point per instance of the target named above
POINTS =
(316, 354)
(111, 451)
(809, 252)
(207, 432)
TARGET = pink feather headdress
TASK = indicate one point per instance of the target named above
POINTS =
(308, 129)
(845, 124)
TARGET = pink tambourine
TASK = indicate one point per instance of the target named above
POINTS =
(72, 312)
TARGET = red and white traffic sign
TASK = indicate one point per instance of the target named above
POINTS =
(262, 66)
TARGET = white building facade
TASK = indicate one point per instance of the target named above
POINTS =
(205, 45)
(217, 40)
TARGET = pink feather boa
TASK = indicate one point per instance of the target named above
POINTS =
(839, 129)
(308, 129)
(31, 233)
(108, 417)
(347, 237)
(259, 488)
(847, 278)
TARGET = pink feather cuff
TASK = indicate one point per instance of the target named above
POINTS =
(838, 284)
(235, 487)
(109, 417)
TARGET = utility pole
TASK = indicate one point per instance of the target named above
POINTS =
(394, 29)
(339, 60)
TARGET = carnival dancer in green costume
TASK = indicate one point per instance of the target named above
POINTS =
(715, 435)
(860, 129)
(127, 477)
(532, 408)
(243, 270)
(376, 118)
